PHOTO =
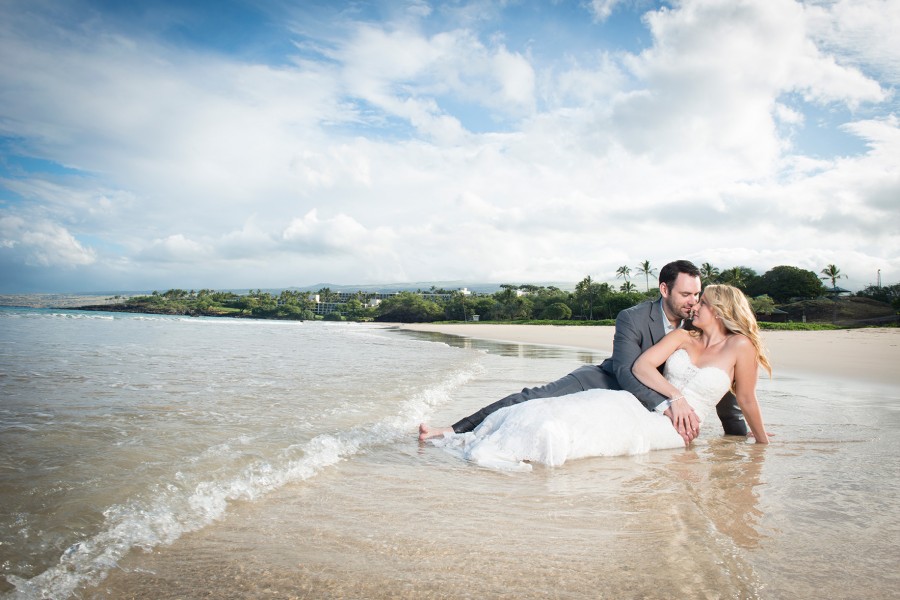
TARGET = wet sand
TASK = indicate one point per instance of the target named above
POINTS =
(869, 355)
(723, 519)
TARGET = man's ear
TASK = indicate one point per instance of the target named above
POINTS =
(664, 290)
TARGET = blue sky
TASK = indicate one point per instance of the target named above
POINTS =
(239, 144)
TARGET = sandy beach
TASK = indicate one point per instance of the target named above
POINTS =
(869, 355)
(277, 471)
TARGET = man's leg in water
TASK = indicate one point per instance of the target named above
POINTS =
(588, 377)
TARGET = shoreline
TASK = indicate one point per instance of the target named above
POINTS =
(864, 355)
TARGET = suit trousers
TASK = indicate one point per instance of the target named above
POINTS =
(587, 377)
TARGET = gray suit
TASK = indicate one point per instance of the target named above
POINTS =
(637, 328)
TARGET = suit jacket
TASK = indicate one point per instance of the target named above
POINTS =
(638, 328)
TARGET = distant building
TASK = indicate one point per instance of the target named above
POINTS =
(371, 299)
(835, 291)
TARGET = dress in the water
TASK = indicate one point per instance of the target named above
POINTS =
(590, 423)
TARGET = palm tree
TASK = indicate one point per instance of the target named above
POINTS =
(623, 271)
(645, 269)
(733, 276)
(585, 287)
(628, 287)
(833, 273)
(708, 273)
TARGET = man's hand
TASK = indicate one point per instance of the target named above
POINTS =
(684, 419)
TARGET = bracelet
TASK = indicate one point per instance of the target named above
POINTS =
(668, 402)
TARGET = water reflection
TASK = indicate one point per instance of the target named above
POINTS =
(507, 349)
(721, 480)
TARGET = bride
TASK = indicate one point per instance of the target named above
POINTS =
(723, 351)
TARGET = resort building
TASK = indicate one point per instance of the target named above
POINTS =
(336, 300)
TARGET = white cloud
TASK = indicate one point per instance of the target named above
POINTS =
(338, 233)
(602, 9)
(175, 248)
(787, 115)
(340, 236)
(200, 163)
(250, 242)
(515, 77)
(404, 72)
(861, 32)
(711, 84)
(43, 243)
(71, 200)
(579, 85)
(158, 120)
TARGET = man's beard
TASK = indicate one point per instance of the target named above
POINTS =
(686, 322)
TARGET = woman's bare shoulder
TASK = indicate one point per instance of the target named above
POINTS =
(742, 346)
(739, 341)
(680, 338)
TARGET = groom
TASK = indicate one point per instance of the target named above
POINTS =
(637, 328)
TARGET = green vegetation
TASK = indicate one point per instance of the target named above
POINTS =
(565, 323)
(708, 274)
(209, 303)
(783, 283)
(832, 273)
(647, 271)
(889, 294)
(407, 307)
(763, 305)
(797, 326)
(783, 298)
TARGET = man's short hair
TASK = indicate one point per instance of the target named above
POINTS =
(669, 273)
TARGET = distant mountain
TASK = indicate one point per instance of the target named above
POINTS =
(85, 298)
(477, 287)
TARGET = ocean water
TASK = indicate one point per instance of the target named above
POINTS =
(166, 457)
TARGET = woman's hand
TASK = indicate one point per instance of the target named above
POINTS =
(684, 419)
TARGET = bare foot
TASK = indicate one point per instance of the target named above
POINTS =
(426, 432)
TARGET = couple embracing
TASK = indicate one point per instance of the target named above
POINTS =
(661, 382)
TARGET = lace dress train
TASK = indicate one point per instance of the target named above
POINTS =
(590, 423)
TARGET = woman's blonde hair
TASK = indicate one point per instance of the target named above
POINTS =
(732, 306)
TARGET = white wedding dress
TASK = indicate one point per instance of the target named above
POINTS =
(590, 423)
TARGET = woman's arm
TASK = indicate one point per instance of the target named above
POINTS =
(646, 367)
(746, 374)
(646, 370)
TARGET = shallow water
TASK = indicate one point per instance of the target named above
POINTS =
(182, 459)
